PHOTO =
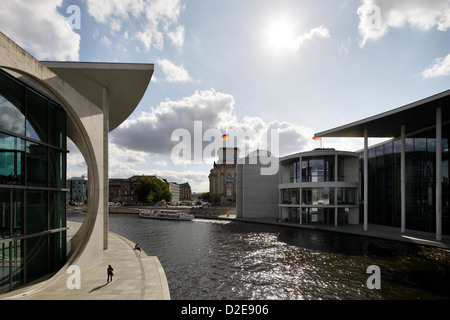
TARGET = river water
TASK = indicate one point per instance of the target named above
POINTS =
(216, 260)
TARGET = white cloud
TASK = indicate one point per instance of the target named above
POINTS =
(320, 32)
(38, 27)
(378, 16)
(440, 67)
(152, 132)
(173, 72)
(106, 41)
(160, 163)
(152, 20)
(177, 36)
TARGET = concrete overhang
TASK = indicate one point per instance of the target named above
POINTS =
(415, 116)
(126, 83)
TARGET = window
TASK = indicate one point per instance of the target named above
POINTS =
(318, 170)
(318, 196)
(291, 196)
(11, 159)
(294, 172)
(346, 196)
(33, 159)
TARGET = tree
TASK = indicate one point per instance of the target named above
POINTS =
(152, 190)
(204, 196)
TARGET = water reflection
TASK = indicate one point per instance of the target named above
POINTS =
(207, 259)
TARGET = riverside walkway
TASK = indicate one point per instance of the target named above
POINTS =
(137, 276)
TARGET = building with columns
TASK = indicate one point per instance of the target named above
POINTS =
(319, 186)
(405, 180)
(41, 105)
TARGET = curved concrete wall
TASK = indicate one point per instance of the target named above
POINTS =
(84, 130)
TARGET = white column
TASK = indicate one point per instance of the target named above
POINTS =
(300, 195)
(105, 102)
(403, 180)
(366, 180)
(336, 181)
(438, 174)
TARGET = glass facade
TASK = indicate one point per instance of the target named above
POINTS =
(318, 170)
(384, 182)
(314, 189)
(32, 184)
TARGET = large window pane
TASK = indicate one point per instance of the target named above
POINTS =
(12, 107)
(11, 159)
(17, 212)
(37, 217)
(37, 162)
(5, 214)
(57, 130)
(57, 210)
(57, 176)
(318, 196)
(17, 263)
(36, 257)
(4, 267)
(37, 116)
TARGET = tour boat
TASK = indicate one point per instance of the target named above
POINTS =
(166, 214)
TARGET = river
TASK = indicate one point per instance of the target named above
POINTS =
(231, 260)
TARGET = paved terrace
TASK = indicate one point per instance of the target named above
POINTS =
(137, 276)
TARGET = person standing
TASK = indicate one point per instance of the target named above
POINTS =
(110, 273)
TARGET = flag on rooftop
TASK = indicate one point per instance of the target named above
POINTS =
(225, 137)
(317, 138)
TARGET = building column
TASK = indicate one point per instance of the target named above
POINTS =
(300, 195)
(403, 180)
(105, 102)
(438, 174)
(336, 181)
(366, 180)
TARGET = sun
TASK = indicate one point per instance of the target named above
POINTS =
(280, 35)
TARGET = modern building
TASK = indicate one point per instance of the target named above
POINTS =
(319, 187)
(78, 189)
(256, 192)
(41, 105)
(222, 177)
(405, 180)
(174, 189)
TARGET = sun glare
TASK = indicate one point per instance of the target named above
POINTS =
(280, 36)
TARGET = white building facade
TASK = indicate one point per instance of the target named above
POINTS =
(319, 187)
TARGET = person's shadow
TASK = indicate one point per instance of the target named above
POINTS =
(97, 288)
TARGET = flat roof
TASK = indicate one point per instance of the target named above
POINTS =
(126, 82)
(415, 116)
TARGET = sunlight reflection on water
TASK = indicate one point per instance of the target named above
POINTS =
(207, 259)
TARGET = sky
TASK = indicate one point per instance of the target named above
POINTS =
(261, 67)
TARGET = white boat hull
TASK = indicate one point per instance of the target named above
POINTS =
(166, 215)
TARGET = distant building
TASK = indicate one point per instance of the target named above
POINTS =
(122, 190)
(78, 187)
(174, 188)
(222, 177)
(185, 192)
